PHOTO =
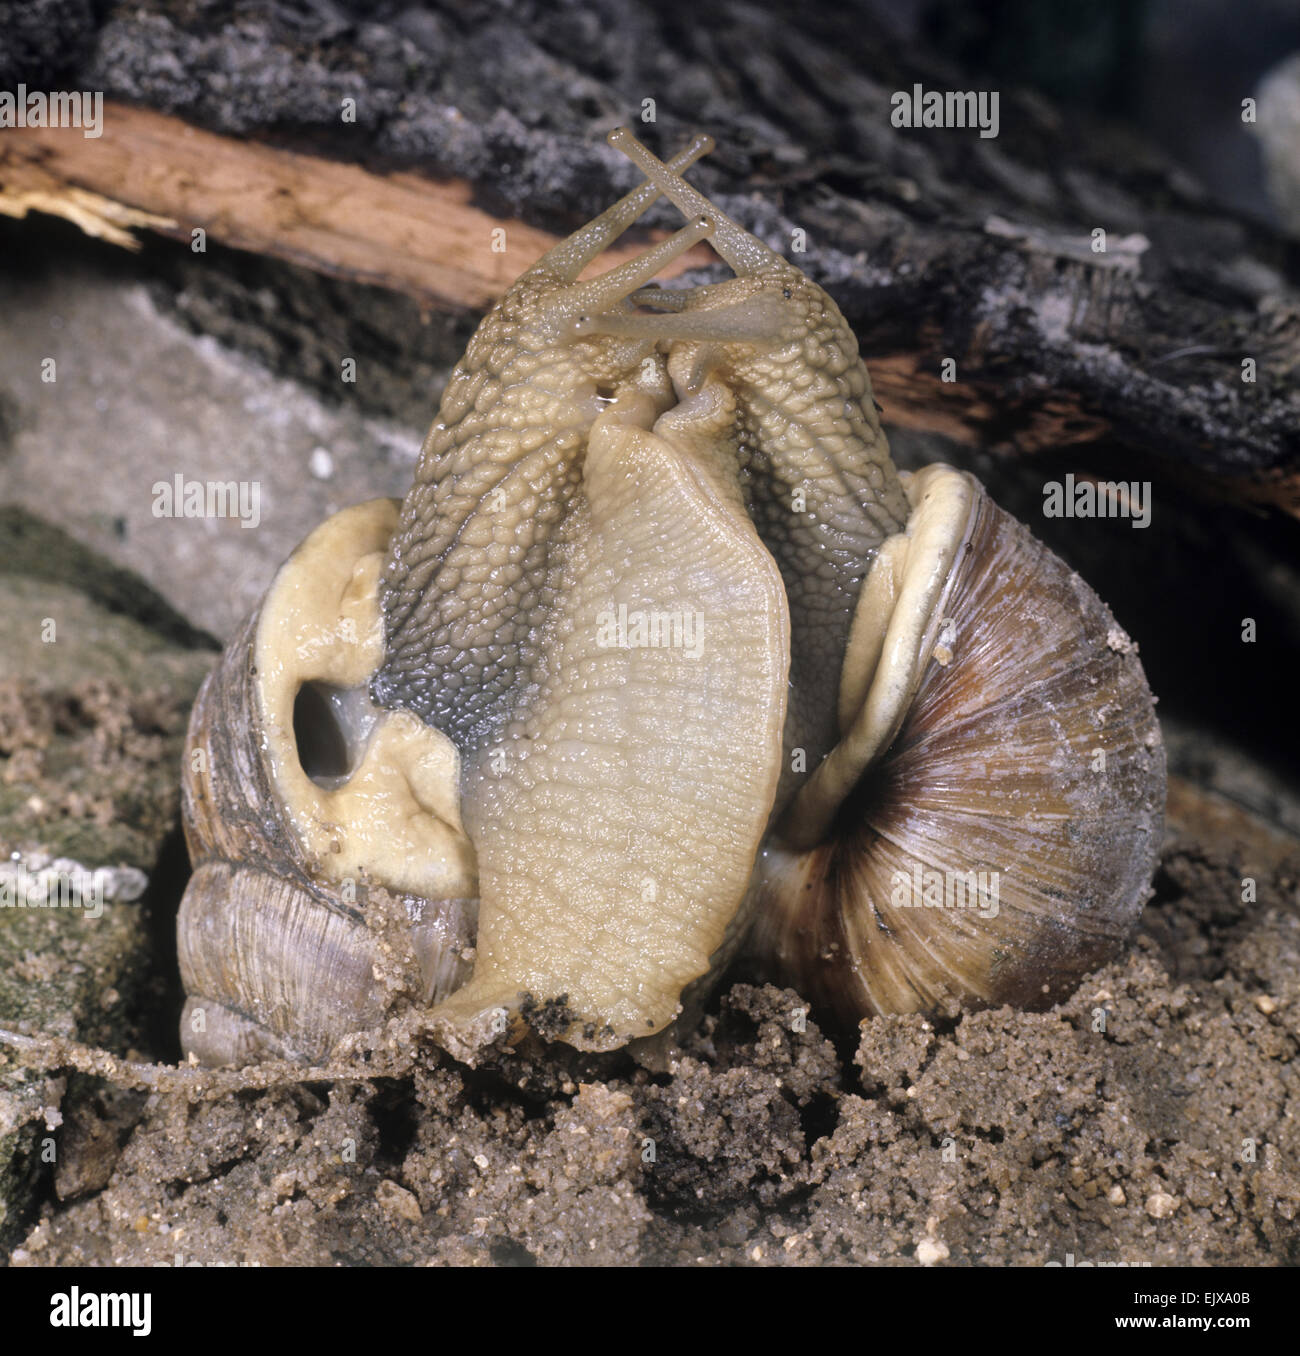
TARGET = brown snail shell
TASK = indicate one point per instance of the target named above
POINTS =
(1029, 760)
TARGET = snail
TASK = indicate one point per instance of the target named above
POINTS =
(659, 661)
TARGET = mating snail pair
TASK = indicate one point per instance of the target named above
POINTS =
(660, 658)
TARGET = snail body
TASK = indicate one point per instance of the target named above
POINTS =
(659, 656)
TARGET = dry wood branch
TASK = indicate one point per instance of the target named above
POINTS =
(401, 231)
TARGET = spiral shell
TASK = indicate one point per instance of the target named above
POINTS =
(1004, 844)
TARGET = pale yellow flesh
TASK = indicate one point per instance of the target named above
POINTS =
(617, 826)
(895, 628)
(820, 484)
(396, 820)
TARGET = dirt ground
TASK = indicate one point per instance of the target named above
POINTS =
(1149, 1121)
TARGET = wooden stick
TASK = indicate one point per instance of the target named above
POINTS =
(402, 231)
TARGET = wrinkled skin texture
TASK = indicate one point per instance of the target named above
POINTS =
(742, 479)
(819, 483)
(485, 527)
(617, 830)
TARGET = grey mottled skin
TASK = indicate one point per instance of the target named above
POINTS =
(808, 434)
(472, 572)
(486, 527)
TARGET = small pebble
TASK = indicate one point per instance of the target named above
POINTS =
(1160, 1205)
(931, 1250)
(321, 464)
(396, 1201)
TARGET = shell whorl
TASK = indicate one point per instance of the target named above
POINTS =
(298, 926)
(1003, 845)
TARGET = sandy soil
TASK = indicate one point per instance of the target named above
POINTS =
(1167, 1138)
